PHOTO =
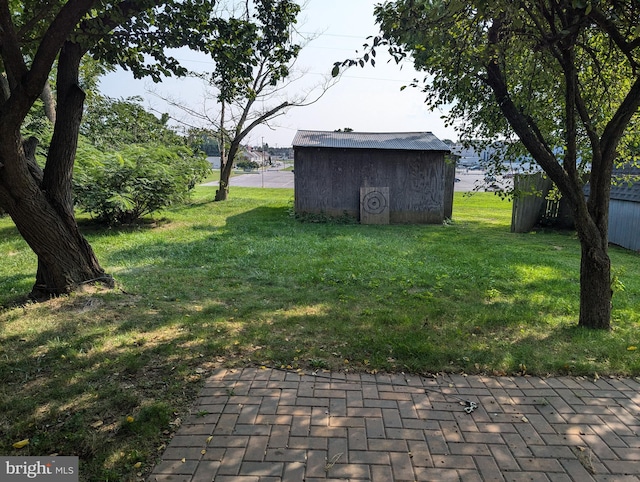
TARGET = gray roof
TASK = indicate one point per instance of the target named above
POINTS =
(410, 141)
(626, 184)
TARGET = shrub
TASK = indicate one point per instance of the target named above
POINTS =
(247, 165)
(122, 187)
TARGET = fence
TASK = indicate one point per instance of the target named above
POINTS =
(531, 206)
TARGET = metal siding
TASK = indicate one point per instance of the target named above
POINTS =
(624, 224)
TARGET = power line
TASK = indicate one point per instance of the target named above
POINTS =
(380, 79)
(334, 35)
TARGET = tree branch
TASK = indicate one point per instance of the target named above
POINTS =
(522, 124)
(54, 38)
(609, 27)
(615, 128)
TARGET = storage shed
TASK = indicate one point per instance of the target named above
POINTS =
(400, 177)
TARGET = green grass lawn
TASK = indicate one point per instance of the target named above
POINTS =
(107, 375)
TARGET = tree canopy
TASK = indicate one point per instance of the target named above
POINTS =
(560, 76)
(109, 123)
(253, 56)
(252, 77)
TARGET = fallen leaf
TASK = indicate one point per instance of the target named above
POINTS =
(137, 465)
(130, 419)
(21, 444)
(632, 348)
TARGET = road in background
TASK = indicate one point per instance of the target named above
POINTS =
(468, 180)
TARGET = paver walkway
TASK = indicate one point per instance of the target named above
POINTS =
(259, 425)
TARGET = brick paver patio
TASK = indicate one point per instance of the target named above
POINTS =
(266, 425)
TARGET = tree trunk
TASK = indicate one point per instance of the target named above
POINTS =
(49, 102)
(593, 230)
(225, 174)
(222, 193)
(595, 287)
(226, 167)
(65, 259)
(41, 204)
(591, 219)
(223, 190)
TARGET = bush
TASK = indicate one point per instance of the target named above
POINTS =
(122, 187)
(247, 165)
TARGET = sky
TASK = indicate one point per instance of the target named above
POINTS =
(366, 99)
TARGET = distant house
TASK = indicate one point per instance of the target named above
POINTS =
(375, 177)
(214, 161)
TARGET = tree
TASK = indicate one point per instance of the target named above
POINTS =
(563, 76)
(253, 57)
(109, 123)
(38, 38)
(203, 140)
(250, 74)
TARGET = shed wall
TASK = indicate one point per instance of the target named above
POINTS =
(329, 181)
(624, 224)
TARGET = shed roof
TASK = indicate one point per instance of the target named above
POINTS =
(626, 184)
(409, 141)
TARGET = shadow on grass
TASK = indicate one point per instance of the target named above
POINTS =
(15, 289)
(70, 383)
(263, 289)
(382, 284)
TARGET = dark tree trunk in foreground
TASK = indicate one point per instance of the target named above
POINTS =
(41, 203)
(65, 259)
(595, 288)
